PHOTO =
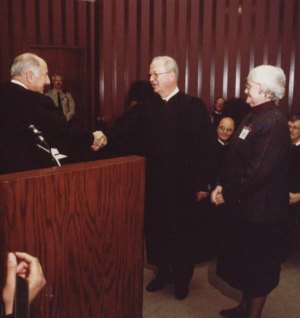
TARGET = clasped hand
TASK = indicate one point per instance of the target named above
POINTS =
(217, 196)
(100, 140)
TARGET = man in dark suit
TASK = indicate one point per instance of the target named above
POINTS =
(29, 124)
(173, 131)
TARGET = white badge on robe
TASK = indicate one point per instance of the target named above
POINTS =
(244, 133)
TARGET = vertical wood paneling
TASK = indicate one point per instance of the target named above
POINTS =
(144, 38)
(233, 48)
(119, 49)
(182, 45)
(194, 47)
(69, 18)
(131, 43)
(206, 47)
(5, 52)
(43, 23)
(157, 28)
(106, 59)
(57, 22)
(219, 48)
(215, 42)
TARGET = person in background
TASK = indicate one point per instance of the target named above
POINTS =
(29, 124)
(62, 99)
(208, 239)
(173, 131)
(254, 185)
(225, 130)
(217, 113)
(294, 184)
(236, 108)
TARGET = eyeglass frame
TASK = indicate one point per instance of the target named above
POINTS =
(293, 127)
(226, 129)
(156, 74)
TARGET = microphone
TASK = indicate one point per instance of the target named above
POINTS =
(42, 144)
(39, 136)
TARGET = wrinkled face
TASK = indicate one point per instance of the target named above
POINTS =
(162, 80)
(39, 81)
(255, 96)
(57, 82)
(294, 131)
(225, 129)
(219, 104)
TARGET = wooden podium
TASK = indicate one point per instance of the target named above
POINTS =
(85, 224)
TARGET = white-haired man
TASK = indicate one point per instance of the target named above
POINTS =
(28, 122)
(173, 131)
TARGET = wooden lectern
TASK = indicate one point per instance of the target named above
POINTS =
(85, 224)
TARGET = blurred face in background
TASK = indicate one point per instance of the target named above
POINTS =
(219, 104)
(225, 129)
(294, 131)
(57, 82)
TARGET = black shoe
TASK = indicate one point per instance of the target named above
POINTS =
(236, 312)
(181, 291)
(156, 285)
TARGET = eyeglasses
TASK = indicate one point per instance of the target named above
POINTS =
(155, 75)
(292, 127)
(225, 129)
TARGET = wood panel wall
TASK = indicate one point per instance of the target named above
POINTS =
(216, 43)
(31, 25)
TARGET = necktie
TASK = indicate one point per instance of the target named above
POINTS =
(59, 102)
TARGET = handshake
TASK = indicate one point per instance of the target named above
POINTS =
(100, 140)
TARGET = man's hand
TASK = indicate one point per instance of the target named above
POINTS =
(217, 196)
(200, 195)
(294, 198)
(100, 140)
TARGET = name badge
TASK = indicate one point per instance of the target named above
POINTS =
(244, 133)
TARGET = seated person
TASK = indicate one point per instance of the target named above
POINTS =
(294, 184)
(217, 113)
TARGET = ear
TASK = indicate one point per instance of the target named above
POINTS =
(29, 76)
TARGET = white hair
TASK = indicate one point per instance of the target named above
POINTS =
(24, 63)
(271, 79)
(169, 63)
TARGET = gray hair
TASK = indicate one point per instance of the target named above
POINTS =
(24, 63)
(169, 63)
(271, 79)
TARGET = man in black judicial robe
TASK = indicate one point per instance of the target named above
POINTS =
(173, 131)
(22, 105)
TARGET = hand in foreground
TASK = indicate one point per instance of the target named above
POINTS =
(100, 140)
(25, 266)
(217, 196)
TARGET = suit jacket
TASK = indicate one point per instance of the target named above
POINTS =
(255, 180)
(21, 108)
(67, 102)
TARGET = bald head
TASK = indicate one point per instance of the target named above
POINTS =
(31, 70)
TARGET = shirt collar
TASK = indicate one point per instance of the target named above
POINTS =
(222, 142)
(297, 143)
(18, 83)
(176, 90)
